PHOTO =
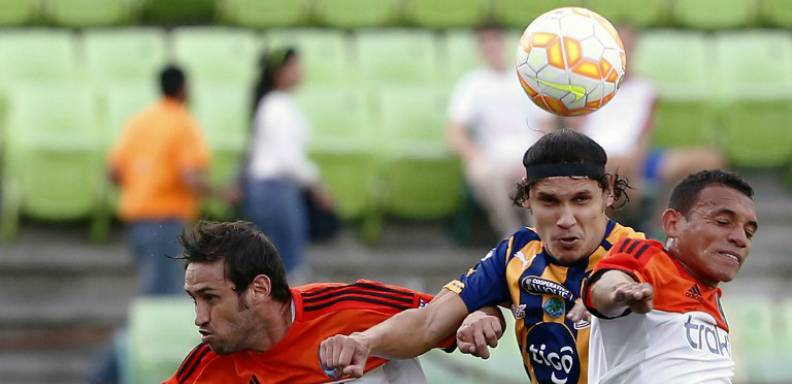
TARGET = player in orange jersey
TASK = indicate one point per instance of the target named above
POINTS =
(255, 329)
(660, 318)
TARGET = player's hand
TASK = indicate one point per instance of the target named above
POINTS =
(478, 331)
(579, 312)
(344, 355)
(637, 296)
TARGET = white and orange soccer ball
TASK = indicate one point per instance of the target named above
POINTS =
(570, 61)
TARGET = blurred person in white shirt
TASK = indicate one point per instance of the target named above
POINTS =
(278, 169)
(490, 123)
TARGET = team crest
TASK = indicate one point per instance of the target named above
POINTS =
(554, 307)
(518, 311)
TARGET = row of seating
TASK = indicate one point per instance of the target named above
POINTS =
(705, 14)
(760, 332)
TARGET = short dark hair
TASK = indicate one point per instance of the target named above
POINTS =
(567, 146)
(685, 194)
(246, 252)
(172, 80)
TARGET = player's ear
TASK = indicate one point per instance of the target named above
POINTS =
(609, 197)
(671, 222)
(261, 286)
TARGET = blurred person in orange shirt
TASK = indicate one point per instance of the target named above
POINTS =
(278, 171)
(159, 164)
(490, 123)
(624, 127)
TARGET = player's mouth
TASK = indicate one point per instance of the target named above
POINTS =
(204, 334)
(567, 241)
(731, 256)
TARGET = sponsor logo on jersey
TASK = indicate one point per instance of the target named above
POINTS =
(552, 352)
(536, 285)
(695, 293)
(582, 324)
(518, 311)
(707, 337)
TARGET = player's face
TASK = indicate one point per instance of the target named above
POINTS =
(291, 74)
(224, 320)
(491, 45)
(715, 238)
(569, 214)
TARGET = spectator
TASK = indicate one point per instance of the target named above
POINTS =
(624, 127)
(159, 164)
(278, 169)
(490, 123)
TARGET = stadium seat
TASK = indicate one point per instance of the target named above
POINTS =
(519, 13)
(397, 56)
(37, 55)
(89, 13)
(752, 334)
(445, 13)
(777, 12)
(648, 13)
(134, 55)
(263, 13)
(178, 12)
(216, 54)
(223, 113)
(757, 132)
(54, 165)
(714, 14)
(342, 145)
(18, 12)
(122, 101)
(421, 179)
(686, 110)
(161, 334)
(356, 13)
(325, 54)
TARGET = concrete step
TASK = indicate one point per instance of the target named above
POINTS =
(57, 366)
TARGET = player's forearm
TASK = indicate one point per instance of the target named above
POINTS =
(602, 293)
(459, 142)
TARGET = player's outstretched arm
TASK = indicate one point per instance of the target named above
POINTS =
(406, 335)
(480, 329)
(616, 291)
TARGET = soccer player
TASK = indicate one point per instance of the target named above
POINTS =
(538, 272)
(659, 313)
(255, 329)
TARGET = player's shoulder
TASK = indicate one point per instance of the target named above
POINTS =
(523, 236)
(616, 232)
(639, 248)
(329, 298)
(192, 365)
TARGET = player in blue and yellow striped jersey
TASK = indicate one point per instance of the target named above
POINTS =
(537, 272)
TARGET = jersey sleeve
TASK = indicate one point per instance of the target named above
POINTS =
(193, 152)
(192, 366)
(485, 284)
(629, 256)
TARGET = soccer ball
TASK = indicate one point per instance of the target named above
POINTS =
(570, 61)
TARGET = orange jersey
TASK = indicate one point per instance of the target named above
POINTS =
(156, 148)
(320, 310)
(684, 338)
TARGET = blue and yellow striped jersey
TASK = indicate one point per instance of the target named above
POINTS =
(519, 273)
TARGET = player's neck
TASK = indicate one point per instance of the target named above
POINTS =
(274, 325)
(704, 281)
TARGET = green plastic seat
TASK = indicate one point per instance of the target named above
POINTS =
(686, 109)
(18, 12)
(89, 13)
(777, 12)
(356, 13)
(124, 55)
(420, 178)
(54, 165)
(161, 335)
(397, 56)
(122, 101)
(752, 335)
(216, 54)
(461, 54)
(223, 113)
(178, 12)
(647, 13)
(757, 132)
(520, 13)
(325, 54)
(715, 14)
(342, 144)
(37, 55)
(445, 13)
(263, 13)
